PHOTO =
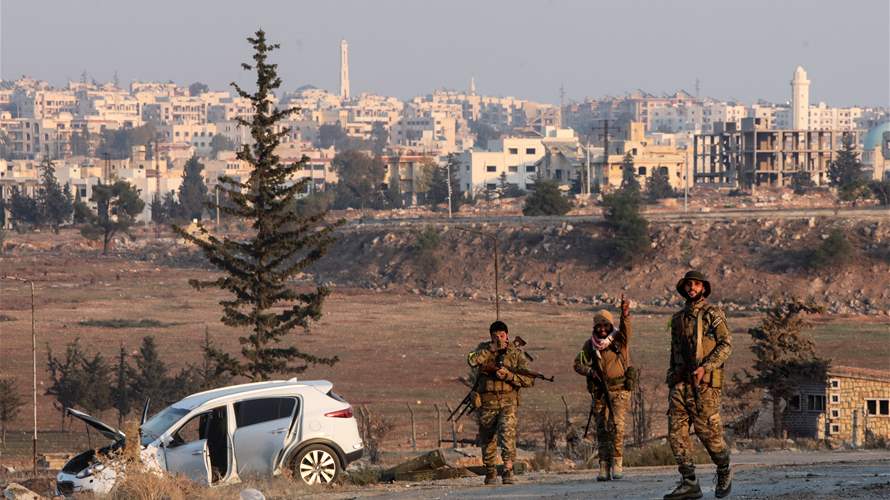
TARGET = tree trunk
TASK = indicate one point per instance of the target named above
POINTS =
(778, 424)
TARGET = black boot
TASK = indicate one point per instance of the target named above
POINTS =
(687, 489)
(508, 477)
(724, 482)
(491, 475)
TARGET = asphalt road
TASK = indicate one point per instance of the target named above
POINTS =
(784, 475)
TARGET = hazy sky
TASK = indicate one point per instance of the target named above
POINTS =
(738, 49)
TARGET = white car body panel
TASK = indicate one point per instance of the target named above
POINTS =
(267, 456)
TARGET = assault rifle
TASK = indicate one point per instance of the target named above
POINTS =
(600, 380)
(466, 405)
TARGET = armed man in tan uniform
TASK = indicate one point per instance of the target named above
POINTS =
(496, 364)
(700, 345)
(604, 360)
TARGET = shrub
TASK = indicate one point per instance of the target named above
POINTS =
(659, 454)
(834, 251)
(546, 199)
(425, 245)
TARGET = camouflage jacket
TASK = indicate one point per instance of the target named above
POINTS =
(615, 358)
(485, 363)
(716, 343)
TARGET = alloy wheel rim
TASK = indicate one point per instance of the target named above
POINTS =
(317, 467)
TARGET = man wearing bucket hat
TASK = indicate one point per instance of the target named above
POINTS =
(604, 360)
(700, 345)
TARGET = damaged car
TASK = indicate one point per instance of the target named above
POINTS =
(224, 435)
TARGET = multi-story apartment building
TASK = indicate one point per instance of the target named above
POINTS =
(759, 154)
(514, 156)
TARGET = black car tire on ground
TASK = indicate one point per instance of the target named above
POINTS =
(316, 464)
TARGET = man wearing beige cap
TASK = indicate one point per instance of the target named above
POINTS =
(604, 360)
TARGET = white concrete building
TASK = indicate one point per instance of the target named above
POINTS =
(514, 156)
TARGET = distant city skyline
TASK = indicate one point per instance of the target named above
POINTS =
(523, 49)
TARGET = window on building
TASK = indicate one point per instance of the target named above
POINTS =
(835, 429)
(641, 171)
(794, 402)
(529, 151)
(530, 169)
(513, 168)
(514, 151)
(835, 413)
(835, 398)
(467, 168)
(491, 186)
(491, 168)
(815, 402)
(877, 407)
(835, 383)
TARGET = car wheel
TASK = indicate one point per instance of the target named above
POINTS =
(316, 464)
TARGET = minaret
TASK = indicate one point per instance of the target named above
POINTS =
(472, 85)
(344, 70)
(800, 100)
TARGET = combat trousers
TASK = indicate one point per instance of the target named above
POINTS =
(610, 441)
(497, 427)
(707, 424)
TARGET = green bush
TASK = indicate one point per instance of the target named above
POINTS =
(425, 248)
(836, 250)
(546, 199)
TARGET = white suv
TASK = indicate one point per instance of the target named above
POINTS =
(226, 434)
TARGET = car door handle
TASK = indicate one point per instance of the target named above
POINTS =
(279, 431)
(198, 453)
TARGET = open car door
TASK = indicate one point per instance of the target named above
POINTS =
(186, 452)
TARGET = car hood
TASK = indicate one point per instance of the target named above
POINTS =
(103, 428)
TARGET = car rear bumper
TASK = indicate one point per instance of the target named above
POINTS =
(355, 455)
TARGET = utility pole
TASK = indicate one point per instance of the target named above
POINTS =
(588, 168)
(217, 203)
(448, 182)
(605, 164)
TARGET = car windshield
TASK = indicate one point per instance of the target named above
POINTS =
(160, 422)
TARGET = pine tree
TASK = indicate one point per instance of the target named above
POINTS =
(11, 402)
(630, 230)
(67, 378)
(23, 210)
(845, 171)
(148, 377)
(96, 374)
(117, 206)
(81, 209)
(192, 191)
(659, 186)
(52, 203)
(629, 180)
(546, 199)
(783, 356)
(438, 190)
(121, 399)
(282, 243)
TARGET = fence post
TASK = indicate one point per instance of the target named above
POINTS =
(413, 428)
(438, 426)
(453, 429)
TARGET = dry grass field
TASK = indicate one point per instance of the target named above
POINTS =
(395, 348)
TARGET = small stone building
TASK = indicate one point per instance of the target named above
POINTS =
(852, 405)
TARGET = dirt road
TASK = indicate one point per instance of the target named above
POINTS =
(786, 475)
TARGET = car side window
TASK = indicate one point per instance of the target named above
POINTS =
(190, 431)
(256, 411)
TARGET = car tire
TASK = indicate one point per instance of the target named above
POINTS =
(316, 464)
